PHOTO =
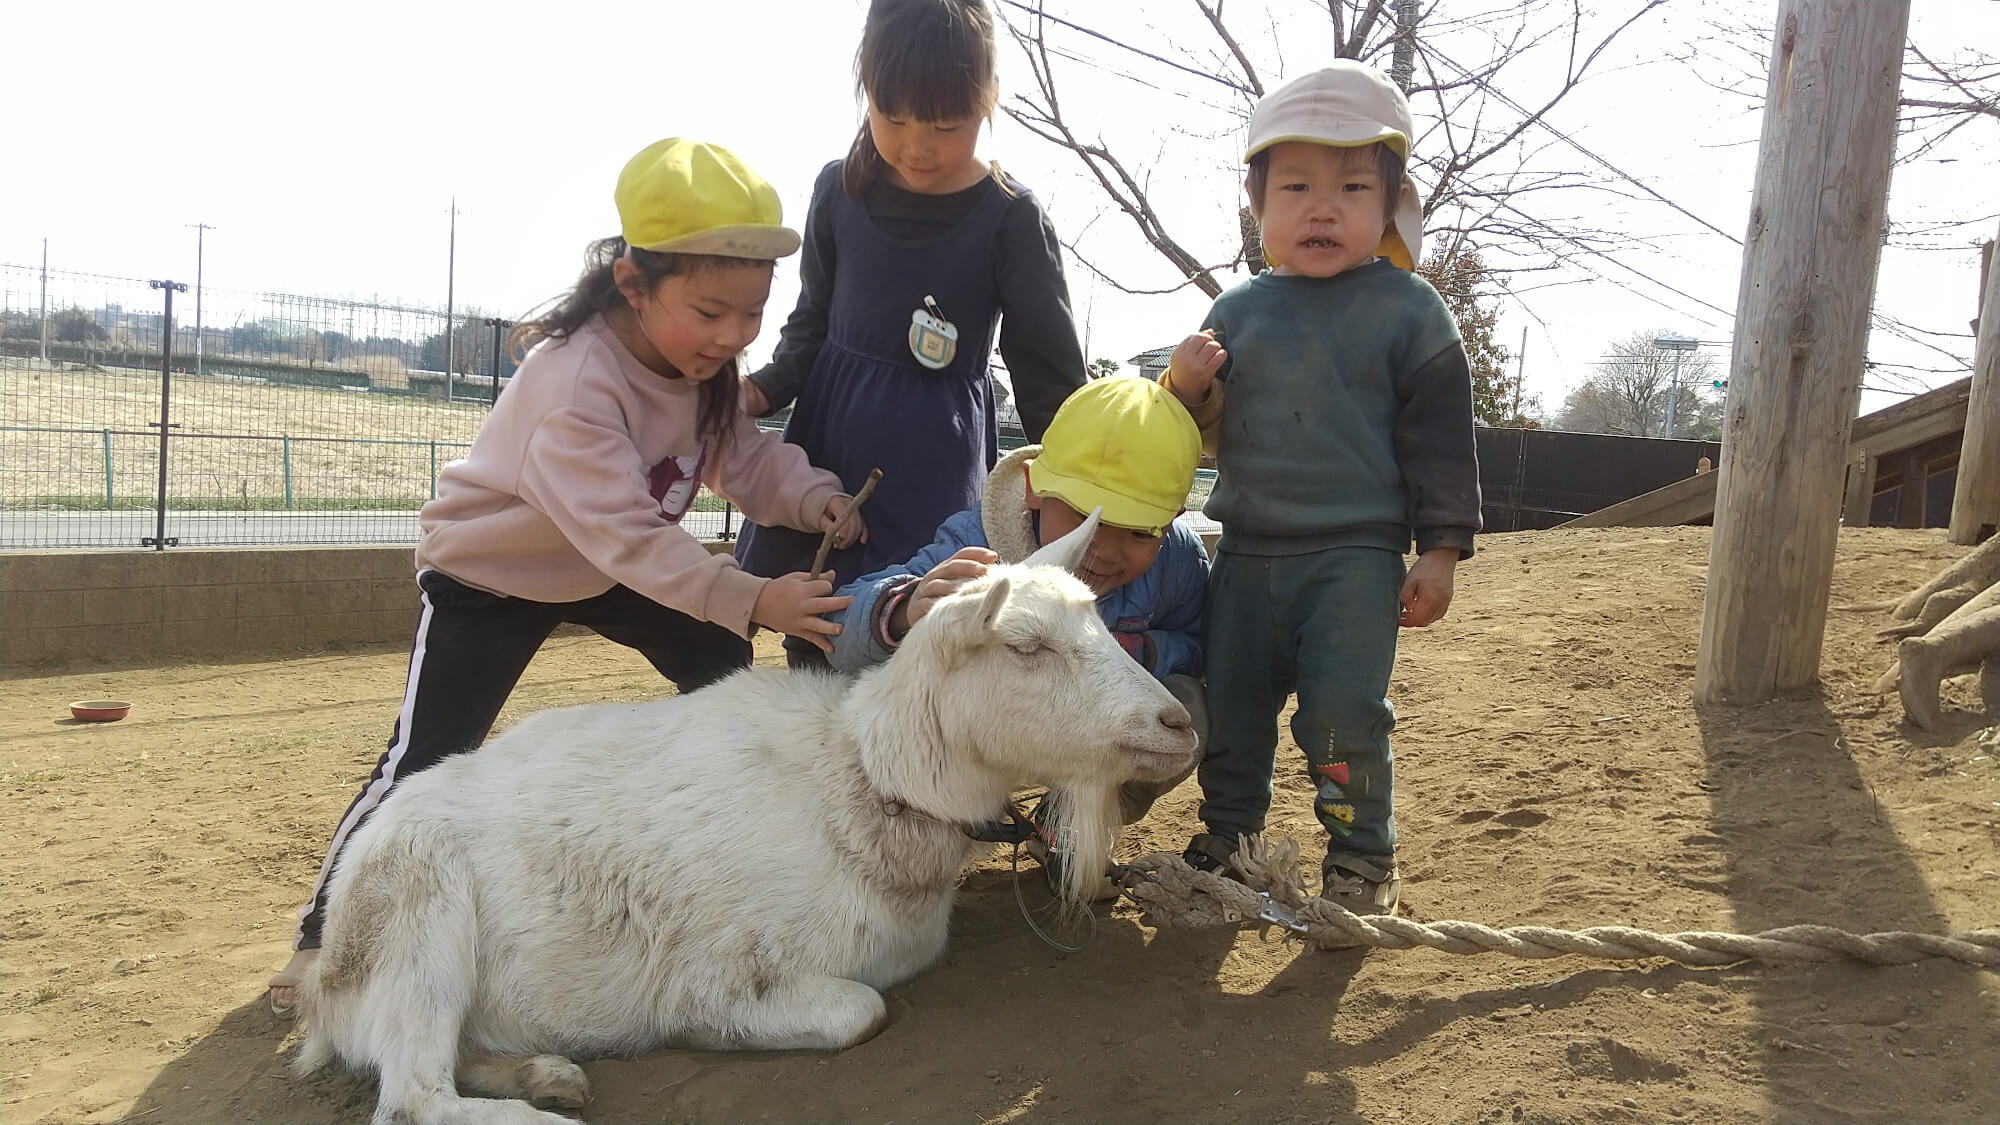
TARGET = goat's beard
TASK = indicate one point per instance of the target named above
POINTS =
(1081, 825)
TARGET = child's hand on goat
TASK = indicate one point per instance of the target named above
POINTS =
(940, 581)
(793, 604)
(1427, 590)
(855, 532)
(1191, 369)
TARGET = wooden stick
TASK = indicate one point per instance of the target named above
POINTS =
(853, 506)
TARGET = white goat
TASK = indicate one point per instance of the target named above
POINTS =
(739, 868)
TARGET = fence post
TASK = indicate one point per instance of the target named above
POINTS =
(495, 323)
(107, 468)
(434, 470)
(159, 541)
(728, 511)
(1514, 501)
(288, 470)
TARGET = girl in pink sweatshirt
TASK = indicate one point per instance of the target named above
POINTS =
(568, 507)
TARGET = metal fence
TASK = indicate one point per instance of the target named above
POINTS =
(288, 420)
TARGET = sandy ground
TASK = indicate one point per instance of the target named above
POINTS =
(1552, 771)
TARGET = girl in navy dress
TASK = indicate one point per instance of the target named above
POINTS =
(916, 250)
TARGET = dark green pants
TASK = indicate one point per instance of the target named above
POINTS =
(1323, 625)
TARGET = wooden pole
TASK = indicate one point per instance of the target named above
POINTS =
(1801, 331)
(1975, 502)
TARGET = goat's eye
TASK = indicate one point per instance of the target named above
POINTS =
(1028, 648)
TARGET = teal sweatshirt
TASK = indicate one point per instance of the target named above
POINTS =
(1346, 416)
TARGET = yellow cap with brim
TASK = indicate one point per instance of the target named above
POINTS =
(685, 197)
(1122, 444)
(1348, 105)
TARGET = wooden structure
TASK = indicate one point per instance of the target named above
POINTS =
(1880, 449)
(1801, 333)
(1975, 508)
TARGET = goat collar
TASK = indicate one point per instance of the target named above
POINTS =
(1011, 827)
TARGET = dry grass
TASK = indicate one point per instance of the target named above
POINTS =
(237, 444)
(345, 447)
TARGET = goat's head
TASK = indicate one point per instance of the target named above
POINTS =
(1028, 680)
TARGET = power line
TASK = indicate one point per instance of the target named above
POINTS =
(1892, 325)
(1106, 68)
(1573, 142)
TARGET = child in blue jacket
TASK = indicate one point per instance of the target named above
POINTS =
(1121, 444)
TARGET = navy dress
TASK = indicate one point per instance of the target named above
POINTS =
(868, 403)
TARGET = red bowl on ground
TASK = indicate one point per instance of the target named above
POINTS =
(99, 710)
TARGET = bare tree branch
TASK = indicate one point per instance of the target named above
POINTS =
(1044, 119)
(1036, 11)
(1114, 283)
(1989, 108)
(1364, 26)
(1464, 171)
(1214, 16)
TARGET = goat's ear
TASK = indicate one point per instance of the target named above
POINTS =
(996, 600)
(1068, 551)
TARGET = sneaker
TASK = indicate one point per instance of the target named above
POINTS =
(1364, 884)
(1211, 853)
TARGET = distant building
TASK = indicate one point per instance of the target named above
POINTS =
(1151, 363)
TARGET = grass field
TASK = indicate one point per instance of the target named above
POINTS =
(89, 439)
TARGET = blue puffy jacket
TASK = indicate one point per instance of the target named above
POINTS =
(1163, 605)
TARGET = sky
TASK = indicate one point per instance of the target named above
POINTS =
(324, 144)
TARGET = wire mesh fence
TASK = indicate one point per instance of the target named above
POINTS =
(289, 420)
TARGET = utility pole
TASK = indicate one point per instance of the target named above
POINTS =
(200, 229)
(450, 281)
(45, 301)
(1680, 346)
(1403, 65)
(1673, 393)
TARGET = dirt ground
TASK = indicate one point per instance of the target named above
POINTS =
(1552, 771)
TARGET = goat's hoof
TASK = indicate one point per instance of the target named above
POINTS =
(554, 1082)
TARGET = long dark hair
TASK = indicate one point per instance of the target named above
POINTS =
(933, 60)
(596, 292)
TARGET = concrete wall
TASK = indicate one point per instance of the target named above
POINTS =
(140, 607)
(122, 607)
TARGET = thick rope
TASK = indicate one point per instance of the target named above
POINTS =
(1172, 895)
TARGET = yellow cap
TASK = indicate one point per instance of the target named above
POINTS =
(1122, 444)
(685, 197)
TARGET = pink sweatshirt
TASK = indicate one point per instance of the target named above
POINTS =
(579, 478)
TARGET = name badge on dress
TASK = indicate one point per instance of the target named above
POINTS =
(933, 339)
